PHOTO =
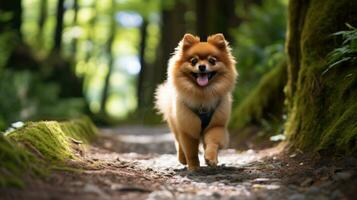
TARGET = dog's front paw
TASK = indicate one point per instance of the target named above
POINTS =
(193, 168)
(211, 159)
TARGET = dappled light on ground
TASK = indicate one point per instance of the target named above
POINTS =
(137, 162)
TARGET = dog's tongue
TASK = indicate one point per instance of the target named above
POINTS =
(202, 79)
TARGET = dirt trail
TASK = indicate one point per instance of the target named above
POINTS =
(140, 163)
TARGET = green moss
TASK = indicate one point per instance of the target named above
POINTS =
(322, 107)
(14, 160)
(23, 149)
(264, 103)
(54, 140)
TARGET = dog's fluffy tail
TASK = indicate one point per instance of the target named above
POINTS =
(163, 99)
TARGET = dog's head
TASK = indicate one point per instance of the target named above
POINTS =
(206, 68)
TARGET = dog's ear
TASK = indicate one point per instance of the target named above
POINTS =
(218, 40)
(189, 40)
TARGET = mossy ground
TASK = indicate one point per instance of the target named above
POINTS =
(54, 142)
(14, 160)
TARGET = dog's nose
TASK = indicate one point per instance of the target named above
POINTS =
(202, 68)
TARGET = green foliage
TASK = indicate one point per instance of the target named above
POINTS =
(347, 52)
(9, 40)
(260, 115)
(260, 43)
(25, 96)
(264, 103)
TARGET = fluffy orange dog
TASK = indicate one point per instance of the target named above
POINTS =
(196, 98)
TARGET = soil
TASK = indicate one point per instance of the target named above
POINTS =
(140, 163)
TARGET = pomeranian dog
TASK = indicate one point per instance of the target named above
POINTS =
(195, 100)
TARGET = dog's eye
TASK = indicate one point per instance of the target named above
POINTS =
(194, 61)
(212, 61)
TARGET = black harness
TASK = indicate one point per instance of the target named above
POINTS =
(204, 114)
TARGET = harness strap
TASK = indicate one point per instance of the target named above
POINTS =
(205, 115)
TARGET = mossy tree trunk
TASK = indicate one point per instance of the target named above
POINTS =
(322, 108)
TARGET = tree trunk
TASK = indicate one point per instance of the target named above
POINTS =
(90, 35)
(42, 20)
(109, 52)
(172, 30)
(75, 17)
(141, 85)
(215, 16)
(322, 108)
(59, 26)
(19, 55)
(14, 24)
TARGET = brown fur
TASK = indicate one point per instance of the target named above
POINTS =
(181, 90)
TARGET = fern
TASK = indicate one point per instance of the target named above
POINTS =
(348, 50)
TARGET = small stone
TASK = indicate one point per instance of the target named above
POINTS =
(250, 151)
(91, 188)
(292, 155)
(216, 195)
(351, 162)
(297, 197)
(115, 186)
(326, 184)
(342, 176)
(160, 195)
(78, 183)
(239, 197)
(307, 182)
(321, 197)
(313, 190)
(321, 171)
(261, 180)
(337, 194)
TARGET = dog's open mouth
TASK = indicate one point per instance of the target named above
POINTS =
(202, 79)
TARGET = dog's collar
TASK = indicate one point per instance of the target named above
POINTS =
(205, 114)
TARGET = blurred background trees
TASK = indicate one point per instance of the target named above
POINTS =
(62, 58)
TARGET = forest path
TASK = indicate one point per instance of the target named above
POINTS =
(140, 163)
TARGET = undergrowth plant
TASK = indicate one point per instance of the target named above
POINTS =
(347, 52)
